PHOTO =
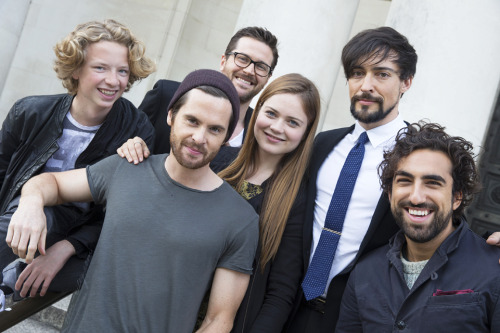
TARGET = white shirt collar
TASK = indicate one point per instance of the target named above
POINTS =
(381, 134)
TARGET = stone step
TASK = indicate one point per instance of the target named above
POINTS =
(47, 320)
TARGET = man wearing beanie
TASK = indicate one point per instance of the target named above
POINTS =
(248, 61)
(172, 229)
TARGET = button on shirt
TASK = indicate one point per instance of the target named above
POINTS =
(366, 193)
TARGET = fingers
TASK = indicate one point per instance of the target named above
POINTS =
(30, 280)
(10, 236)
(22, 277)
(134, 150)
(27, 240)
(34, 240)
(494, 239)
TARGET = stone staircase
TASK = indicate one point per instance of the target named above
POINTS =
(48, 320)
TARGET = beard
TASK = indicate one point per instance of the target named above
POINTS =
(364, 115)
(421, 233)
(187, 161)
(248, 95)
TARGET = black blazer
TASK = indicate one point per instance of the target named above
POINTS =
(155, 105)
(382, 227)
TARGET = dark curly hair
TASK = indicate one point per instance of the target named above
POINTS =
(432, 136)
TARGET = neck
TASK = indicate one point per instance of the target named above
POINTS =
(240, 125)
(202, 179)
(423, 251)
(265, 166)
(86, 115)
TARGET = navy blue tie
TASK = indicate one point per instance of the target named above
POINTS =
(314, 283)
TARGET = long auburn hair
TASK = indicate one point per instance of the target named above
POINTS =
(284, 183)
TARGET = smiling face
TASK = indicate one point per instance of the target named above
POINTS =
(246, 82)
(422, 201)
(103, 77)
(280, 125)
(199, 129)
(375, 90)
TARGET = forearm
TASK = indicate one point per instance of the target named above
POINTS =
(228, 289)
(40, 191)
(28, 228)
(217, 324)
(62, 251)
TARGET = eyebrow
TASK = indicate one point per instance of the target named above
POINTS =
(384, 69)
(427, 177)
(378, 68)
(294, 118)
(187, 115)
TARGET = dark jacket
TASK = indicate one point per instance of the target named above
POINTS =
(29, 138)
(377, 298)
(270, 294)
(155, 105)
(382, 228)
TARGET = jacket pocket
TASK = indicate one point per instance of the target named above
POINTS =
(455, 313)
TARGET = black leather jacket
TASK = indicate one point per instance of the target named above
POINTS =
(28, 138)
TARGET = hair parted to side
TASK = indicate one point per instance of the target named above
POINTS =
(71, 51)
(262, 35)
(383, 43)
(432, 136)
(284, 184)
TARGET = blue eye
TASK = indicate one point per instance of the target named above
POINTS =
(271, 113)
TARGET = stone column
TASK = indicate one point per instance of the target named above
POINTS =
(311, 35)
(458, 70)
(12, 16)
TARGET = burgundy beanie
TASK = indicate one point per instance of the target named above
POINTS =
(209, 77)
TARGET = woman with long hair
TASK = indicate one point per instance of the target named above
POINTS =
(269, 172)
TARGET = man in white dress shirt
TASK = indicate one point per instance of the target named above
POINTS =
(379, 65)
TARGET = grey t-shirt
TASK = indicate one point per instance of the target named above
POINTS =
(159, 247)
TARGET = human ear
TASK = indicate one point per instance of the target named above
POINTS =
(169, 118)
(457, 200)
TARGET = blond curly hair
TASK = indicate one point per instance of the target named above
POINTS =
(71, 51)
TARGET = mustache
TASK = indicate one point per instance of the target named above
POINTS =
(368, 97)
(423, 205)
(195, 146)
(247, 77)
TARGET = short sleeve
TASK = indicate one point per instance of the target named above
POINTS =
(240, 252)
(99, 176)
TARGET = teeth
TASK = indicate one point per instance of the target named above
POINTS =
(244, 81)
(107, 92)
(418, 212)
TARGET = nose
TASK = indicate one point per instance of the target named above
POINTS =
(277, 126)
(250, 69)
(367, 84)
(417, 195)
(112, 78)
(199, 135)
